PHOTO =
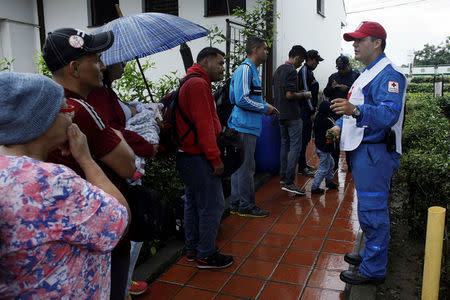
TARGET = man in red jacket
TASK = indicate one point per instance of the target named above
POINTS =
(198, 161)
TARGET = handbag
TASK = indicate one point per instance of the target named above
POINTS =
(231, 150)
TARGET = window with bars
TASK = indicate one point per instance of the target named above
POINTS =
(161, 6)
(321, 7)
(222, 7)
(101, 12)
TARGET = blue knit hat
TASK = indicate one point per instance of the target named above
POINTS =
(29, 104)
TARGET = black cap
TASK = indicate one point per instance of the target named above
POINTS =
(313, 54)
(341, 62)
(67, 44)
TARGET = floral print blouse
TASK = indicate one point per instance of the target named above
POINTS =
(57, 232)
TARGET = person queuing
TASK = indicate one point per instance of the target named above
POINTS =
(370, 129)
(308, 82)
(115, 113)
(57, 230)
(324, 147)
(288, 100)
(198, 160)
(338, 85)
(73, 57)
(246, 118)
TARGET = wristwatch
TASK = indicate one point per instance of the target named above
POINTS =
(356, 112)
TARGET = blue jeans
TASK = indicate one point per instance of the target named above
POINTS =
(242, 183)
(204, 203)
(372, 169)
(291, 142)
(325, 169)
(306, 137)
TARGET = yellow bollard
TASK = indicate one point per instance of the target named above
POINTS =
(433, 253)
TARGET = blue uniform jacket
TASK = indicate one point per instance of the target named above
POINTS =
(246, 95)
(381, 108)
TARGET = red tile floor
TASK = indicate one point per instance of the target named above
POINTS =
(295, 253)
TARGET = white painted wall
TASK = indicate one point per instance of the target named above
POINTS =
(19, 34)
(299, 23)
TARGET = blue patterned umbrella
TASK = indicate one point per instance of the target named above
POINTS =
(143, 34)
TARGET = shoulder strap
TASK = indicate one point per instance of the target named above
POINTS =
(182, 114)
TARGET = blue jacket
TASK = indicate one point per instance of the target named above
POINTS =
(246, 95)
(381, 108)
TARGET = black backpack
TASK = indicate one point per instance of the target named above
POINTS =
(223, 103)
(169, 139)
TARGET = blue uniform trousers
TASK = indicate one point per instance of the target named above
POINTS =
(372, 169)
(204, 203)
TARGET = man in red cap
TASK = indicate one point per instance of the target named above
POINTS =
(370, 129)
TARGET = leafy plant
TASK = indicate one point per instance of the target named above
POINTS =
(6, 64)
(425, 163)
(255, 22)
(42, 66)
(131, 86)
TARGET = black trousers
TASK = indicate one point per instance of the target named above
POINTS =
(306, 137)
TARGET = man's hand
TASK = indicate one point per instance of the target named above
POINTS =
(218, 170)
(336, 131)
(343, 87)
(332, 134)
(307, 94)
(272, 110)
(155, 149)
(334, 84)
(119, 133)
(342, 106)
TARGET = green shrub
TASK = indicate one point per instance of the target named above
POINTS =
(425, 169)
(429, 79)
(425, 88)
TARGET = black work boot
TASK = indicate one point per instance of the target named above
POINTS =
(355, 277)
(353, 259)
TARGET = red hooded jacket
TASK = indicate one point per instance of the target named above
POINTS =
(197, 102)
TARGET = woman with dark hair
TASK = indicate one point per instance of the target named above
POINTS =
(57, 230)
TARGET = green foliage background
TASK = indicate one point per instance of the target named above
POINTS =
(423, 178)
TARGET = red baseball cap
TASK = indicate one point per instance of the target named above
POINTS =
(364, 29)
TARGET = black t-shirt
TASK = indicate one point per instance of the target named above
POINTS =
(285, 79)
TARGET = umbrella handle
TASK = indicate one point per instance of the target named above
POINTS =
(145, 80)
(119, 11)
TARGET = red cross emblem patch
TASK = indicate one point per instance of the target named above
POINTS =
(393, 87)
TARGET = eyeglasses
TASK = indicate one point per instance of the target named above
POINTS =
(69, 110)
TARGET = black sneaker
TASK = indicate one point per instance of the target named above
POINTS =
(234, 211)
(332, 185)
(255, 212)
(190, 256)
(311, 168)
(317, 191)
(215, 261)
(306, 172)
(292, 188)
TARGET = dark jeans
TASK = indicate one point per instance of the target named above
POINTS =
(306, 137)
(120, 263)
(204, 203)
(291, 143)
(242, 183)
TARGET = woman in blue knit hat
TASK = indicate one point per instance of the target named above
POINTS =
(57, 230)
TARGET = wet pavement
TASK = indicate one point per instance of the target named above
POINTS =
(295, 253)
